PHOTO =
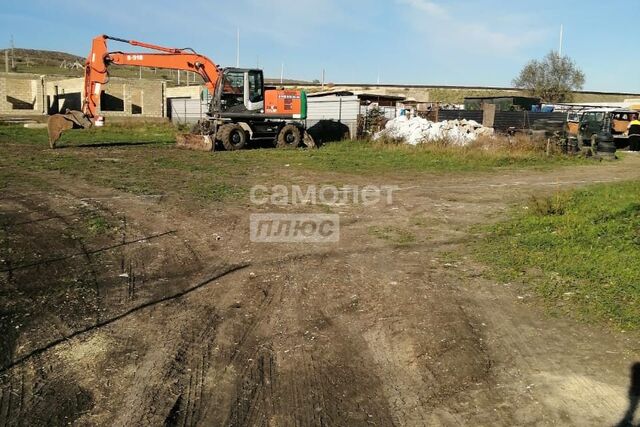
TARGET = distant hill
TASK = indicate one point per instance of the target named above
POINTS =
(33, 57)
(51, 62)
(275, 82)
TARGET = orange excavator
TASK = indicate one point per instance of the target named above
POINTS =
(241, 108)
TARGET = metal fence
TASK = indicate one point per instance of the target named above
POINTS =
(504, 120)
(334, 116)
(339, 117)
(186, 111)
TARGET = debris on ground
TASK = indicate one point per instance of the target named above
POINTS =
(417, 130)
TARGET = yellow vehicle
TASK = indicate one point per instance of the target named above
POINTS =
(573, 122)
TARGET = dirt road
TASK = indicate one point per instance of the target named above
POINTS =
(172, 316)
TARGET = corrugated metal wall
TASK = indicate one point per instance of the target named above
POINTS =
(504, 119)
(334, 117)
(332, 111)
(186, 111)
(322, 112)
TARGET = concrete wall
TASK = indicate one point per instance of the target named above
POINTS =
(20, 95)
(190, 92)
(456, 95)
(24, 95)
(131, 97)
(63, 94)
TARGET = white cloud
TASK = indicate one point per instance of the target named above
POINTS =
(464, 32)
(429, 7)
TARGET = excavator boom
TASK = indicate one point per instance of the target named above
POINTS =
(99, 59)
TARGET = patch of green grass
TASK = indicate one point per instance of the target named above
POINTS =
(97, 224)
(580, 252)
(363, 157)
(142, 159)
(396, 235)
(216, 191)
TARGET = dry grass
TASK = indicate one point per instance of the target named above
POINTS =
(518, 146)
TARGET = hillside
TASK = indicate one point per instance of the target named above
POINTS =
(43, 62)
(51, 62)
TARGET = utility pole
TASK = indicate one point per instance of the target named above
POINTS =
(561, 39)
(323, 73)
(282, 74)
(238, 49)
(13, 54)
(6, 60)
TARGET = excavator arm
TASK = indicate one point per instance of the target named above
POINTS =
(99, 60)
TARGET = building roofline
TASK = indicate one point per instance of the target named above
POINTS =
(461, 87)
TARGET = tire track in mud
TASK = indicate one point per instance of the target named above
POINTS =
(90, 251)
(107, 322)
(175, 392)
(254, 384)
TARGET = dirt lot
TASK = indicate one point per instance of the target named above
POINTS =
(120, 309)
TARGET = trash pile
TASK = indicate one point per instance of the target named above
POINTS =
(418, 130)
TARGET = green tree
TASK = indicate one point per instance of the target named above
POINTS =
(554, 78)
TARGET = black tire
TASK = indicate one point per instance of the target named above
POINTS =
(289, 137)
(308, 141)
(606, 147)
(233, 137)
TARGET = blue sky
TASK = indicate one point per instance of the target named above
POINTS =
(457, 42)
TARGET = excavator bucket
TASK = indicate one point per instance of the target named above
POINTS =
(191, 141)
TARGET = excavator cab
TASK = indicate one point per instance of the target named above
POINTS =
(241, 91)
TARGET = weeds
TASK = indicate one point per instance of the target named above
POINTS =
(97, 225)
(579, 251)
(549, 205)
(396, 235)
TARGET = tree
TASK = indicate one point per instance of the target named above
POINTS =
(554, 78)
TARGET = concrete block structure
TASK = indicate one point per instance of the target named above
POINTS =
(120, 98)
(21, 95)
(26, 95)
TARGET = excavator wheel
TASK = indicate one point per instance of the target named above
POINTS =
(289, 137)
(233, 137)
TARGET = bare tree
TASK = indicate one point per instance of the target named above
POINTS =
(554, 78)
